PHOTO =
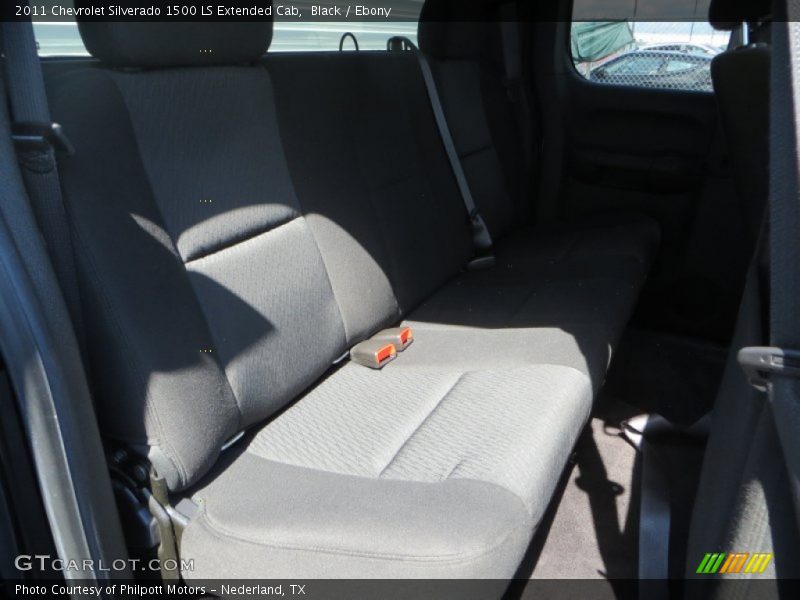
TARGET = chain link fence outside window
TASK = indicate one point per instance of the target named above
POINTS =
(669, 56)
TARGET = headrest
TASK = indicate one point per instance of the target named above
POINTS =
(452, 28)
(180, 44)
(729, 14)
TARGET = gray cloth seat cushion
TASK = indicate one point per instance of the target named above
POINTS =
(443, 463)
(614, 246)
(412, 471)
(571, 323)
(560, 297)
(584, 348)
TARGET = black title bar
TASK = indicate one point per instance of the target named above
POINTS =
(360, 11)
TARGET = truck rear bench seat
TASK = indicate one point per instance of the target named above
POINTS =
(239, 224)
(383, 193)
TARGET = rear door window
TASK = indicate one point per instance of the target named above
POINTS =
(301, 33)
(664, 54)
(58, 38)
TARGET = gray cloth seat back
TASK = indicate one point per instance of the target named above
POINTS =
(252, 237)
(744, 497)
(373, 180)
(466, 59)
(741, 86)
(743, 501)
(210, 304)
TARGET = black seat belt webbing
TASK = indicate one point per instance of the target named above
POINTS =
(37, 140)
(654, 525)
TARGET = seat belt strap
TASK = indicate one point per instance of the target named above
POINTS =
(37, 139)
(481, 238)
(654, 509)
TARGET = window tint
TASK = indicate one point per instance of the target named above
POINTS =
(657, 54)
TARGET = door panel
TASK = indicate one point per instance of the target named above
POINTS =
(659, 152)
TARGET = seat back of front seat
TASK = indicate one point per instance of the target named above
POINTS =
(741, 84)
(743, 489)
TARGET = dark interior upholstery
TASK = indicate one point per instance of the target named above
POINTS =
(232, 250)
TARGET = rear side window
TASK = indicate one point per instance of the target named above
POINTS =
(58, 38)
(299, 26)
(670, 55)
(63, 39)
(312, 25)
(326, 36)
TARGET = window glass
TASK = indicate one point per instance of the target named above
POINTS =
(678, 66)
(634, 65)
(657, 54)
(289, 34)
(63, 39)
(58, 39)
(309, 36)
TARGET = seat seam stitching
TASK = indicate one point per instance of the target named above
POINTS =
(421, 423)
(243, 240)
(327, 276)
(215, 528)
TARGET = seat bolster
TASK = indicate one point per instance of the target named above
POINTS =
(283, 521)
(145, 326)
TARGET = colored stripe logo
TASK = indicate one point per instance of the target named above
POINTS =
(734, 562)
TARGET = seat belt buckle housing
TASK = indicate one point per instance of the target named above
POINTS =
(401, 337)
(761, 364)
(32, 135)
(374, 354)
(481, 238)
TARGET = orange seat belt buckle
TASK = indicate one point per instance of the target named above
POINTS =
(374, 354)
(401, 337)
